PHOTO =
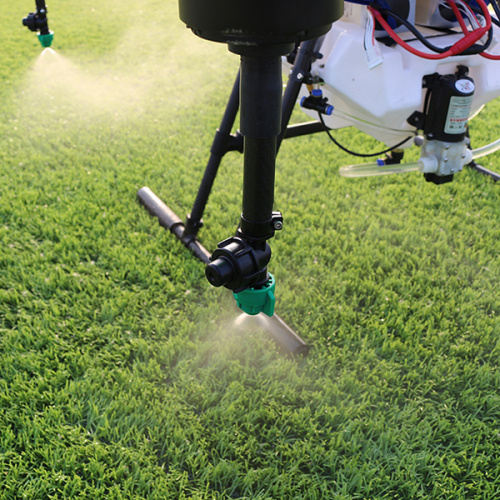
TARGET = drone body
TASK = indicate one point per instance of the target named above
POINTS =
(384, 89)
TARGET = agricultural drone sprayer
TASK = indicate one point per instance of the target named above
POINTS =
(406, 72)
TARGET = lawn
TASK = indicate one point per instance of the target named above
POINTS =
(122, 372)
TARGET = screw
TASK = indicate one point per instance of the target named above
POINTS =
(300, 76)
(278, 225)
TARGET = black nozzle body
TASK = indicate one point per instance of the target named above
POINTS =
(237, 265)
(37, 21)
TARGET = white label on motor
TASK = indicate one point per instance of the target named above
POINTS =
(458, 114)
(465, 86)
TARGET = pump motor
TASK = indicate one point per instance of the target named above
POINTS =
(445, 149)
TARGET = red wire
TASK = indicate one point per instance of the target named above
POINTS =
(458, 15)
(469, 39)
(493, 57)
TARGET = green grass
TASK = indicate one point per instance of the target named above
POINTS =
(122, 374)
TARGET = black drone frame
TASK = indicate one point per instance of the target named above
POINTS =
(256, 224)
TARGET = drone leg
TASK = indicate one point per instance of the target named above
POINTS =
(222, 143)
(306, 53)
(485, 171)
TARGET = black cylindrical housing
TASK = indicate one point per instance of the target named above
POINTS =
(449, 107)
(260, 21)
(260, 124)
(258, 188)
(261, 87)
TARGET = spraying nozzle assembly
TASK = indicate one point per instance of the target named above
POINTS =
(260, 34)
(256, 300)
(37, 22)
(240, 262)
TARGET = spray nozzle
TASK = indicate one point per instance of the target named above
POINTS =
(256, 300)
(37, 21)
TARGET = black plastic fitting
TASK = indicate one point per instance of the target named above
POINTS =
(37, 21)
(236, 264)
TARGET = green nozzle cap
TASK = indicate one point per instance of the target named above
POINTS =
(256, 300)
(46, 40)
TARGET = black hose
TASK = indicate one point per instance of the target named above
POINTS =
(361, 155)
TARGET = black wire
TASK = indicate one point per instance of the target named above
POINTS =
(362, 155)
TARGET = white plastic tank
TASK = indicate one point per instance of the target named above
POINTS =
(376, 87)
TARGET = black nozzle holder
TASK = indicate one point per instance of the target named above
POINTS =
(237, 264)
(37, 21)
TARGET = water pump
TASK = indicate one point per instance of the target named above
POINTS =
(37, 22)
(448, 101)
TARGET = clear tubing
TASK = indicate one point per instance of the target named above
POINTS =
(374, 169)
(486, 150)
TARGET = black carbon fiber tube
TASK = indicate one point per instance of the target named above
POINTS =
(169, 220)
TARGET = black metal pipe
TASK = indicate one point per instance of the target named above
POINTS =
(258, 187)
(261, 88)
(283, 335)
(301, 129)
(485, 171)
(286, 339)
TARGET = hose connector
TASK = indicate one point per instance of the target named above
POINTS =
(316, 102)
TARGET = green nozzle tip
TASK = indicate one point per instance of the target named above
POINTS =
(46, 40)
(256, 300)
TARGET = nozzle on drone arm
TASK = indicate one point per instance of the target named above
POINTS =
(37, 21)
